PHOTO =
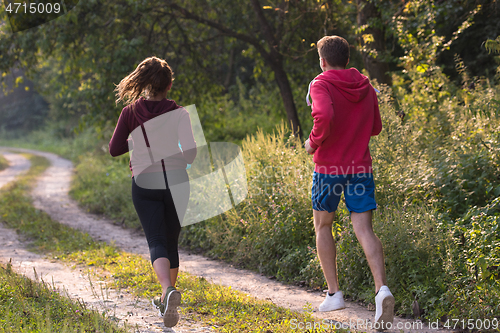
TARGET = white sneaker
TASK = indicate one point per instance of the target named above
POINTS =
(384, 309)
(335, 302)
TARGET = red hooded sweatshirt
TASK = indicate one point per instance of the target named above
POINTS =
(346, 115)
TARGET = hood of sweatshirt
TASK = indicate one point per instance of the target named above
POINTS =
(144, 114)
(353, 85)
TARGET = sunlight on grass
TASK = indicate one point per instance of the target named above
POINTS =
(29, 306)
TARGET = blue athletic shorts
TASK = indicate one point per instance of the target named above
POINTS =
(359, 192)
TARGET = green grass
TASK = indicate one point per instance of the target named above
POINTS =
(3, 163)
(221, 307)
(29, 306)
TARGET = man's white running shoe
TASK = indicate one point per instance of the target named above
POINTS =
(384, 309)
(335, 302)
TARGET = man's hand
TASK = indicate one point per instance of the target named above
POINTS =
(308, 147)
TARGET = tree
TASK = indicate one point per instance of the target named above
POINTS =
(373, 41)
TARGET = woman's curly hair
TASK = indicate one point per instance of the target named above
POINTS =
(151, 77)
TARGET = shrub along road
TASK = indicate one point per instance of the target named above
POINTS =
(51, 195)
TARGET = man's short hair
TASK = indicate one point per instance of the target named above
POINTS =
(335, 50)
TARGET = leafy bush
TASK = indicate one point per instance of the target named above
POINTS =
(272, 231)
(475, 263)
(445, 151)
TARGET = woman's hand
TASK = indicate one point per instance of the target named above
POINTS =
(308, 148)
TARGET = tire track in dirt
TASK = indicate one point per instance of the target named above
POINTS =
(51, 195)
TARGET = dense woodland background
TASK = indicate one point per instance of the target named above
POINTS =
(247, 66)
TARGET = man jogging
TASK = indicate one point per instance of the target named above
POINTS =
(346, 115)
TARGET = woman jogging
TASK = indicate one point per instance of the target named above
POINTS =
(152, 182)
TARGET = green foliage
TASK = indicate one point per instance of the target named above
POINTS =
(493, 45)
(438, 155)
(415, 243)
(479, 235)
(22, 109)
(433, 32)
(77, 59)
(17, 212)
(475, 262)
(446, 148)
(448, 137)
(265, 230)
(232, 116)
(52, 138)
(3, 163)
(444, 151)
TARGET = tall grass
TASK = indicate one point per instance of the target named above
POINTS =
(30, 306)
(3, 163)
(430, 169)
(103, 186)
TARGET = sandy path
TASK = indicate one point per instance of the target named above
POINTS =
(17, 165)
(51, 195)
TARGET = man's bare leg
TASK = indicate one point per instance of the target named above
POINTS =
(325, 245)
(362, 225)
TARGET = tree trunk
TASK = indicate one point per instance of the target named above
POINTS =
(281, 79)
(376, 68)
(275, 60)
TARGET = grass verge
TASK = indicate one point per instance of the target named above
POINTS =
(221, 307)
(3, 163)
(29, 306)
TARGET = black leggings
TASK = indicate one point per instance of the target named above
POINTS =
(159, 220)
